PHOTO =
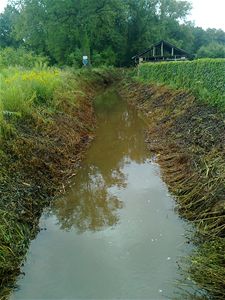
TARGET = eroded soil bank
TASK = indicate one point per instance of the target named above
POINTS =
(188, 138)
(36, 164)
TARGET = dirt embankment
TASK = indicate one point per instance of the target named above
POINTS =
(188, 138)
(36, 165)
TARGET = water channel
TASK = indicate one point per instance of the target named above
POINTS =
(114, 235)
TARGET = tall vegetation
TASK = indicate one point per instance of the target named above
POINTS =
(24, 92)
(110, 32)
(205, 78)
(212, 50)
(11, 57)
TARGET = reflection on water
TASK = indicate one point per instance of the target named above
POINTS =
(89, 205)
(114, 235)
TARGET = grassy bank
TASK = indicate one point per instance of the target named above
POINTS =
(188, 135)
(46, 123)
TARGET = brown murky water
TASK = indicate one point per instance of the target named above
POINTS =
(115, 234)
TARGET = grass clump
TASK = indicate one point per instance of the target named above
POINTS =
(207, 267)
(13, 242)
(204, 77)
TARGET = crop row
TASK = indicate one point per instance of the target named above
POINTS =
(205, 77)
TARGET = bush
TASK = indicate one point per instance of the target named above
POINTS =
(74, 59)
(204, 77)
(105, 58)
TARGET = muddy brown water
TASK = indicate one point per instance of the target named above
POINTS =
(115, 234)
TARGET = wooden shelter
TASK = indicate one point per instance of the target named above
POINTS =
(162, 51)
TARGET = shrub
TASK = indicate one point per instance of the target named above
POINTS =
(105, 58)
(74, 59)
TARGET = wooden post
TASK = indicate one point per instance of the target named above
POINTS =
(162, 52)
(153, 51)
(172, 52)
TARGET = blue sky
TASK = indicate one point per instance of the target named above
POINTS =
(206, 13)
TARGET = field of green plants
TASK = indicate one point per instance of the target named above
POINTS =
(205, 77)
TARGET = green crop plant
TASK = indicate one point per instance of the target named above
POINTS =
(204, 77)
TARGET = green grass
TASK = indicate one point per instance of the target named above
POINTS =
(207, 267)
(20, 88)
(204, 77)
(25, 92)
(13, 241)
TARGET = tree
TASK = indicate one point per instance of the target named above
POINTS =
(109, 31)
(212, 50)
(58, 28)
(7, 20)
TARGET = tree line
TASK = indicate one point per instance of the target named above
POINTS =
(110, 32)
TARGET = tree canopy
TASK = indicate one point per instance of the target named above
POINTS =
(108, 31)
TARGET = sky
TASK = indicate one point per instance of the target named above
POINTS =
(205, 13)
(208, 13)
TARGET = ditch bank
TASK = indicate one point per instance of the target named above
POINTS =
(187, 137)
(38, 160)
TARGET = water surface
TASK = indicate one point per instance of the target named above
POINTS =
(114, 235)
